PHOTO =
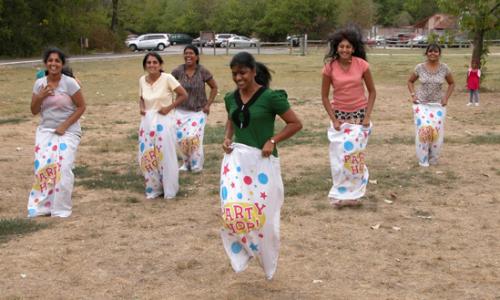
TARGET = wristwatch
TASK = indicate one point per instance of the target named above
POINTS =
(273, 141)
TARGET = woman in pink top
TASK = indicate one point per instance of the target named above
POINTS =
(348, 72)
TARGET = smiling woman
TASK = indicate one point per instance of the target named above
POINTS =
(59, 100)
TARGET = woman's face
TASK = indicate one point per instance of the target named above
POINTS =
(243, 76)
(345, 49)
(153, 66)
(433, 55)
(190, 57)
(54, 64)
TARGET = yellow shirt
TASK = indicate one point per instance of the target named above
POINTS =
(160, 93)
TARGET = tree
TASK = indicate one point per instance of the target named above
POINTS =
(478, 17)
(359, 12)
(114, 17)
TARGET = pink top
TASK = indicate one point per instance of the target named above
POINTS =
(473, 79)
(348, 89)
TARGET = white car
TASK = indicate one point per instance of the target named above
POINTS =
(220, 39)
(150, 41)
(241, 41)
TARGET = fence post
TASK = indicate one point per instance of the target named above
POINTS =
(258, 48)
(227, 47)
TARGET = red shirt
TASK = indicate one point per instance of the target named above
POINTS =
(473, 79)
(348, 89)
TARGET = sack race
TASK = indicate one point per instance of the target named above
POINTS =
(157, 157)
(54, 179)
(347, 161)
(429, 132)
(190, 128)
(251, 194)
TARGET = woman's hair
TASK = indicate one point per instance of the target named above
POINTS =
(245, 59)
(58, 51)
(432, 46)
(353, 35)
(195, 50)
(153, 54)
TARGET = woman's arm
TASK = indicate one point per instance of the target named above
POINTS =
(325, 92)
(79, 102)
(293, 125)
(411, 87)
(142, 106)
(451, 87)
(213, 93)
(181, 96)
(372, 94)
(228, 137)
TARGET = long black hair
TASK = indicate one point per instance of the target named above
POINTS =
(353, 35)
(155, 55)
(195, 50)
(245, 59)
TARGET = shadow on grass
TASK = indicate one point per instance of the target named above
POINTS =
(18, 226)
(309, 182)
(12, 120)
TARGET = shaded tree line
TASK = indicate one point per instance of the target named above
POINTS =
(27, 26)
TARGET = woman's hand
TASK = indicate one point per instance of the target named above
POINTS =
(366, 122)
(226, 145)
(206, 109)
(60, 130)
(142, 112)
(414, 99)
(444, 102)
(165, 110)
(268, 149)
(45, 92)
(336, 124)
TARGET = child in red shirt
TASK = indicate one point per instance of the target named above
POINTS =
(473, 76)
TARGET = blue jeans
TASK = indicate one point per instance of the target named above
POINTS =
(474, 96)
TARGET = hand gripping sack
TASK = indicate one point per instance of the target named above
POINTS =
(429, 132)
(156, 155)
(347, 161)
(251, 191)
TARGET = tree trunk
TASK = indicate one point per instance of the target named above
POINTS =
(114, 17)
(478, 46)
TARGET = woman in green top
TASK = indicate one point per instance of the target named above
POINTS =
(251, 188)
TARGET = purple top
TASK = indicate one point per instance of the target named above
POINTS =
(194, 86)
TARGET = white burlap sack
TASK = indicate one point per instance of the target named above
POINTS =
(251, 192)
(429, 132)
(190, 129)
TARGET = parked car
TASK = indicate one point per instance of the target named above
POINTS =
(376, 41)
(293, 39)
(179, 38)
(240, 41)
(220, 38)
(399, 39)
(150, 41)
(197, 42)
(420, 41)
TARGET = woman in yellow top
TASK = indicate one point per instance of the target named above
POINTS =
(160, 94)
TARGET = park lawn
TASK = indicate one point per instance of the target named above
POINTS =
(437, 227)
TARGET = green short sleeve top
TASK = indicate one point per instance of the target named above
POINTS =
(262, 114)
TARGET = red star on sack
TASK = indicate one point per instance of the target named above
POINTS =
(232, 185)
(347, 130)
(141, 132)
(179, 122)
(159, 138)
(417, 110)
(263, 195)
(226, 169)
(37, 148)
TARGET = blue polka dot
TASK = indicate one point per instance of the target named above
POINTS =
(159, 127)
(364, 181)
(193, 162)
(37, 164)
(240, 195)
(223, 193)
(342, 189)
(439, 113)
(428, 122)
(49, 144)
(63, 146)
(263, 178)
(49, 161)
(149, 190)
(348, 146)
(202, 120)
(142, 147)
(31, 212)
(236, 247)
(179, 134)
(419, 122)
(238, 169)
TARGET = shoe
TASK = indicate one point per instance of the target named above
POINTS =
(476, 104)
(469, 104)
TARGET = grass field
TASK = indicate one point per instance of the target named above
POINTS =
(436, 233)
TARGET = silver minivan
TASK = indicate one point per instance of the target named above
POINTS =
(150, 41)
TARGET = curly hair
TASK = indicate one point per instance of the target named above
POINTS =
(353, 36)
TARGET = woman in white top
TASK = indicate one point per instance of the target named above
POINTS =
(160, 94)
(59, 100)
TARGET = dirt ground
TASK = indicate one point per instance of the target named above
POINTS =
(438, 239)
